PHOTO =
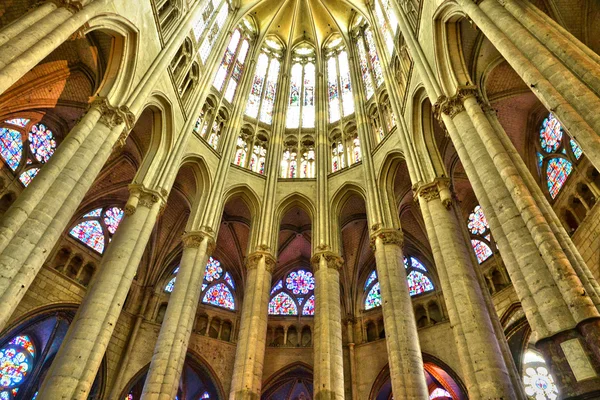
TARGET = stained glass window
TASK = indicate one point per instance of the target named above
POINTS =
(240, 153)
(333, 92)
(41, 142)
(373, 56)
(388, 36)
(97, 227)
(229, 280)
(293, 113)
(482, 250)
(364, 69)
(480, 234)
(577, 152)
(551, 134)
(372, 277)
(539, 383)
(16, 363)
(11, 147)
(170, 286)
(212, 35)
(219, 295)
(418, 283)
(557, 172)
(207, 13)
(237, 71)
(478, 224)
(213, 270)
(227, 60)
(345, 84)
(22, 122)
(266, 114)
(294, 293)
(308, 109)
(257, 86)
(27, 176)
(439, 393)
(373, 297)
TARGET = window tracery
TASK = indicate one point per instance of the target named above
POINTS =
(25, 145)
(417, 277)
(217, 287)
(345, 148)
(339, 85)
(294, 294)
(481, 237)
(212, 35)
(539, 383)
(251, 150)
(96, 228)
(261, 100)
(230, 70)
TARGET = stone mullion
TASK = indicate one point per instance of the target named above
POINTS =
(485, 370)
(327, 349)
(162, 380)
(585, 275)
(32, 17)
(552, 82)
(322, 233)
(250, 351)
(77, 362)
(402, 339)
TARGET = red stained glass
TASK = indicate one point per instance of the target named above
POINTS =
(219, 295)
(41, 142)
(300, 282)
(283, 304)
(557, 173)
(482, 250)
(551, 134)
(478, 224)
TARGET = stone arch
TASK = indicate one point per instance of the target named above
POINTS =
(286, 204)
(202, 183)
(385, 183)
(297, 370)
(338, 201)
(252, 201)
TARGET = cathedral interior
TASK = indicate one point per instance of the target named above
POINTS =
(299, 199)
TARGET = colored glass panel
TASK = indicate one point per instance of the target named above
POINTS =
(16, 361)
(41, 142)
(283, 304)
(373, 297)
(25, 342)
(390, 15)
(364, 69)
(557, 172)
(27, 176)
(277, 287)
(482, 250)
(417, 264)
(293, 114)
(332, 90)
(219, 295)
(94, 213)
(388, 37)
(300, 282)
(213, 270)
(210, 39)
(171, 285)
(238, 68)
(540, 160)
(418, 283)
(539, 384)
(551, 134)
(309, 306)
(11, 147)
(229, 280)
(22, 122)
(373, 56)
(439, 393)
(205, 396)
(308, 110)
(345, 84)
(257, 86)
(89, 233)
(478, 224)
(577, 152)
(266, 113)
(112, 218)
(372, 277)
(226, 60)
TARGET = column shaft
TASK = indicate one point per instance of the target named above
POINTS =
(162, 380)
(402, 340)
(21, 24)
(251, 343)
(75, 366)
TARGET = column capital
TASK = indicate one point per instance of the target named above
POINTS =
(71, 5)
(452, 106)
(387, 236)
(255, 257)
(143, 196)
(195, 238)
(113, 116)
(438, 189)
(334, 261)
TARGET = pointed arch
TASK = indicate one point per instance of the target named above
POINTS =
(297, 371)
(338, 201)
(287, 203)
(251, 199)
(386, 179)
(202, 183)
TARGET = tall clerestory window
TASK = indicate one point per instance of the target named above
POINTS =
(217, 12)
(25, 145)
(298, 159)
(261, 100)
(230, 70)
(557, 153)
(387, 23)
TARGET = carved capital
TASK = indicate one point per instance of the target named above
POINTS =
(196, 238)
(333, 260)
(438, 189)
(387, 236)
(263, 253)
(142, 196)
(452, 106)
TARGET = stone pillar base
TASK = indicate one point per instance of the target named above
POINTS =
(573, 358)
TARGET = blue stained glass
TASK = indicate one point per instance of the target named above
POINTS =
(229, 280)
(16, 361)
(94, 213)
(551, 134)
(309, 306)
(205, 396)
(89, 233)
(540, 160)
(11, 147)
(219, 295)
(418, 283)
(5, 395)
(300, 282)
(482, 250)
(278, 286)
(417, 264)
(557, 173)
(373, 297)
(22, 122)
(41, 142)
(27, 176)
(478, 224)
(25, 342)
(204, 285)
(283, 304)
(577, 152)
(439, 393)
(213, 270)
(112, 218)
(171, 285)
(371, 279)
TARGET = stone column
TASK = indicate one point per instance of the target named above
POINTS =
(76, 364)
(32, 17)
(250, 352)
(484, 369)
(327, 338)
(545, 278)
(163, 376)
(32, 225)
(562, 74)
(402, 339)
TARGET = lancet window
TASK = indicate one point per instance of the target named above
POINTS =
(230, 70)
(217, 287)
(301, 106)
(168, 13)
(296, 164)
(481, 237)
(387, 23)
(211, 123)
(211, 36)
(539, 383)
(339, 85)
(209, 11)
(556, 156)
(261, 100)
(417, 276)
(96, 227)
(345, 147)
(25, 145)
(293, 294)
(251, 150)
